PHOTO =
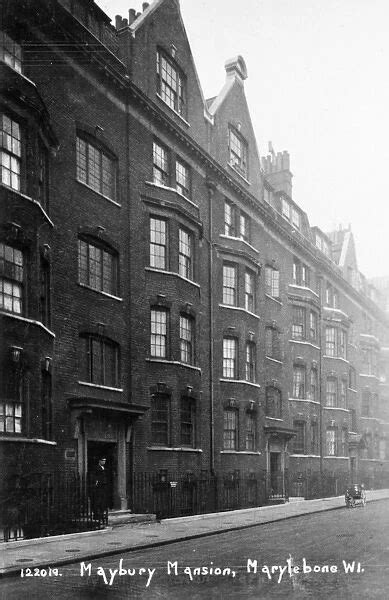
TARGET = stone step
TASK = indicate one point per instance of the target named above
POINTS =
(121, 517)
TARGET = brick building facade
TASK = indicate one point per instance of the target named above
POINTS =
(164, 301)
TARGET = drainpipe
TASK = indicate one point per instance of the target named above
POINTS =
(211, 190)
(320, 386)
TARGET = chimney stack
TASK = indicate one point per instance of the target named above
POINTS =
(236, 67)
(145, 5)
(277, 170)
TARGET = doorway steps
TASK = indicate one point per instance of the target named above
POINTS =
(276, 500)
(121, 517)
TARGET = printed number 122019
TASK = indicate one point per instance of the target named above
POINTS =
(36, 572)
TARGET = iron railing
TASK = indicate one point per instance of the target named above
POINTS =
(172, 495)
(45, 504)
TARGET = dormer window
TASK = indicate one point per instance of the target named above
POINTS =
(285, 208)
(322, 245)
(170, 83)
(238, 152)
(10, 52)
(295, 218)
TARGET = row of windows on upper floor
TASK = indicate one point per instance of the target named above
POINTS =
(307, 440)
(336, 440)
(305, 386)
(239, 426)
(238, 224)
(294, 216)
(99, 363)
(162, 432)
(98, 269)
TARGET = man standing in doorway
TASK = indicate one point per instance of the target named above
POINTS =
(99, 484)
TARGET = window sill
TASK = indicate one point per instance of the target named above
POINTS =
(88, 287)
(170, 449)
(26, 320)
(337, 358)
(336, 310)
(99, 193)
(279, 362)
(165, 361)
(241, 309)
(35, 202)
(274, 418)
(371, 337)
(4, 437)
(305, 343)
(100, 387)
(224, 380)
(304, 400)
(369, 375)
(298, 455)
(346, 410)
(338, 457)
(304, 288)
(235, 170)
(173, 274)
(245, 452)
(174, 111)
(171, 189)
(370, 418)
(239, 239)
(274, 299)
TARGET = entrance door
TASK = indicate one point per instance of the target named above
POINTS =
(97, 450)
(275, 474)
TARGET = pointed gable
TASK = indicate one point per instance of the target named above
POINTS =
(162, 66)
(233, 140)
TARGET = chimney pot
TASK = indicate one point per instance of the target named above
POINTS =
(118, 22)
(131, 16)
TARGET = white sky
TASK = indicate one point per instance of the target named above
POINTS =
(318, 87)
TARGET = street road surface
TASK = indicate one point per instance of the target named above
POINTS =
(266, 561)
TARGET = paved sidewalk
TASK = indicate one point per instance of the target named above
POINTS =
(86, 546)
